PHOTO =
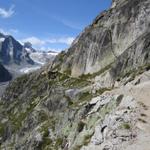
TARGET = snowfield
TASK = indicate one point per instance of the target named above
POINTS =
(29, 69)
(42, 57)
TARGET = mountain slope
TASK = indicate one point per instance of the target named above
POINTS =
(94, 96)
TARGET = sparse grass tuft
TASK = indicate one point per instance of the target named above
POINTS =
(80, 127)
(143, 115)
(126, 126)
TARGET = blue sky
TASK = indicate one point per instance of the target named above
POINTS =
(48, 24)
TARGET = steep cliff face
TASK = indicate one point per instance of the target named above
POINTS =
(94, 96)
(111, 33)
(12, 52)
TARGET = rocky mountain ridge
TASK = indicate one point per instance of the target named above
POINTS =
(18, 58)
(93, 96)
(11, 52)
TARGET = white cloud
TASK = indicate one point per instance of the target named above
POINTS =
(35, 41)
(72, 25)
(44, 45)
(7, 13)
(4, 31)
(64, 40)
(68, 23)
(40, 42)
(15, 31)
(50, 49)
(9, 31)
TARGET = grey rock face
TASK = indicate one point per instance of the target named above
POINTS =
(110, 34)
(136, 56)
(11, 51)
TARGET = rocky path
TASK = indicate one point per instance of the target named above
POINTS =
(141, 93)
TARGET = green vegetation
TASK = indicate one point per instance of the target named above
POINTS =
(17, 119)
(75, 83)
(90, 76)
(126, 126)
(101, 91)
(46, 132)
(80, 127)
(50, 122)
(85, 96)
(61, 56)
(45, 144)
(66, 81)
(87, 138)
(2, 129)
(42, 116)
(67, 72)
(70, 102)
(58, 143)
(78, 147)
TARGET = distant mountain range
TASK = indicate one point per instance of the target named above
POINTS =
(18, 59)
